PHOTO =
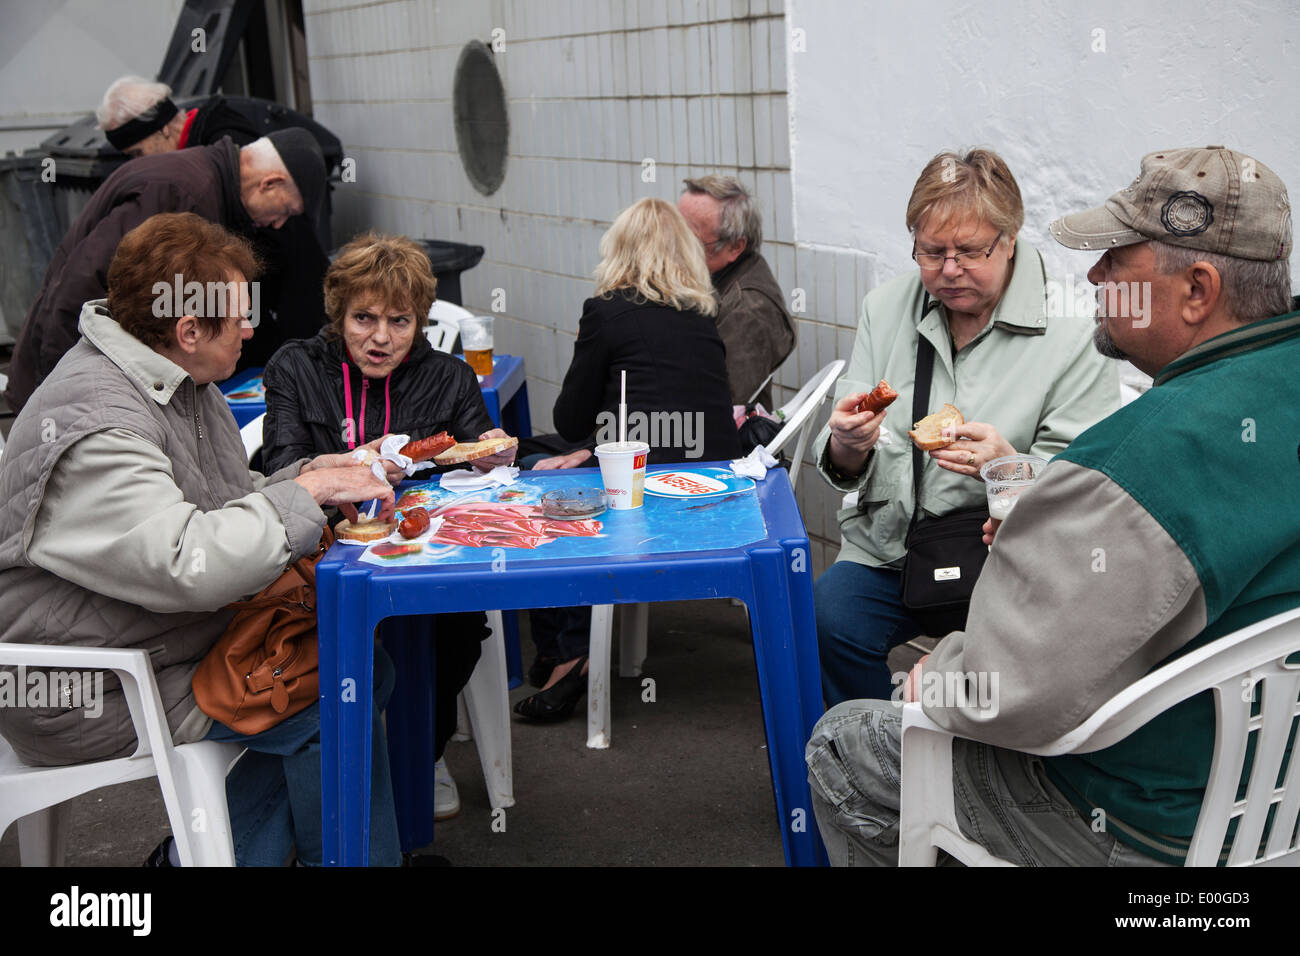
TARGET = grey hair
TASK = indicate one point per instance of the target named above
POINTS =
(1253, 289)
(130, 97)
(739, 217)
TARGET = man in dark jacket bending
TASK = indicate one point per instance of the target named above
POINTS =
(261, 185)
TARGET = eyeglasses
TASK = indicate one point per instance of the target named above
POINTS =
(711, 247)
(931, 261)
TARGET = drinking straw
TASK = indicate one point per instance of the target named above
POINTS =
(622, 411)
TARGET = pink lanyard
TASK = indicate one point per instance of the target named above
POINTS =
(347, 406)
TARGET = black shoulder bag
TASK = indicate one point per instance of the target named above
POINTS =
(945, 554)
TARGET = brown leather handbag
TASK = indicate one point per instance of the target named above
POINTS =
(265, 667)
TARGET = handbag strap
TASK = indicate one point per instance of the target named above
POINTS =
(920, 399)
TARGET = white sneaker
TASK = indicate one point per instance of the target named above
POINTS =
(446, 799)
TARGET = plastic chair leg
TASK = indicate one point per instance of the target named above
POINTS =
(632, 622)
(43, 836)
(598, 723)
(488, 705)
(200, 773)
(464, 729)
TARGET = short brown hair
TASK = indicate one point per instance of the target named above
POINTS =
(953, 186)
(164, 249)
(394, 268)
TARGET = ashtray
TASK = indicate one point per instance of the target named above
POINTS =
(573, 504)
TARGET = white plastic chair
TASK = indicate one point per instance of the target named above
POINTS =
(444, 324)
(192, 777)
(799, 414)
(1229, 667)
(485, 707)
(252, 436)
(634, 618)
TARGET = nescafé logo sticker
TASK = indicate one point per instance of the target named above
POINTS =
(695, 483)
(1186, 213)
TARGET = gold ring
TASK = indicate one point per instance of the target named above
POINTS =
(972, 461)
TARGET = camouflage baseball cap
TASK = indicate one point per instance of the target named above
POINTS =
(1209, 198)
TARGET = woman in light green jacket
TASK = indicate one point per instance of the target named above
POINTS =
(1026, 381)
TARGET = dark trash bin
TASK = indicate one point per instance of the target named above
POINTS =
(449, 260)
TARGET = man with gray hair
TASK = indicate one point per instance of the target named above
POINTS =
(752, 320)
(1160, 529)
(261, 185)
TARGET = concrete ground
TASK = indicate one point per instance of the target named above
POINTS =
(685, 783)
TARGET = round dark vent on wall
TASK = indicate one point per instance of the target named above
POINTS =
(482, 126)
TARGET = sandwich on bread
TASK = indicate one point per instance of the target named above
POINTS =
(926, 434)
(365, 529)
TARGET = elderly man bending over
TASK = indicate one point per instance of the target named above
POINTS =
(129, 518)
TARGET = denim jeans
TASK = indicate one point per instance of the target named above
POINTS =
(1002, 798)
(274, 790)
(860, 618)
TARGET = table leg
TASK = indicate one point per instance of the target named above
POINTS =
(785, 652)
(410, 723)
(346, 638)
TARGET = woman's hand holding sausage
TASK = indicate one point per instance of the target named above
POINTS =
(853, 434)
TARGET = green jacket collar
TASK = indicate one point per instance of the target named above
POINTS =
(157, 375)
(1248, 338)
(1022, 308)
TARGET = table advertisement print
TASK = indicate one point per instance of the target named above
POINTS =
(507, 523)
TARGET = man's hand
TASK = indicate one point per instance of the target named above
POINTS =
(347, 484)
(990, 529)
(574, 459)
(977, 444)
(500, 458)
(853, 434)
(912, 686)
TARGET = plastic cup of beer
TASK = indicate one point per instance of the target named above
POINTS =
(1006, 478)
(622, 469)
(476, 340)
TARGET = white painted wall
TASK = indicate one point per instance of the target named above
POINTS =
(885, 85)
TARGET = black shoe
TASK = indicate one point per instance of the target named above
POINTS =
(159, 856)
(558, 700)
(540, 672)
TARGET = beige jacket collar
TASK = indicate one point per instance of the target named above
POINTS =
(156, 374)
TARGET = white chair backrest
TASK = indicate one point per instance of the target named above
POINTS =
(799, 412)
(1233, 666)
(252, 435)
(444, 324)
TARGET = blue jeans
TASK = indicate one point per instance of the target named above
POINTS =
(860, 619)
(1002, 798)
(274, 790)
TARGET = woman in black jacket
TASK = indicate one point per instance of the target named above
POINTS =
(370, 373)
(651, 317)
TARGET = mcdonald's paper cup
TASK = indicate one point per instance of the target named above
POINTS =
(622, 468)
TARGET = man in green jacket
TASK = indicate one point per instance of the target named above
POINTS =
(1120, 557)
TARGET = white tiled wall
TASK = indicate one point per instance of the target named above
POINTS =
(593, 89)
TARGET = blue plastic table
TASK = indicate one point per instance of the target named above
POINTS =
(244, 410)
(505, 392)
(772, 575)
